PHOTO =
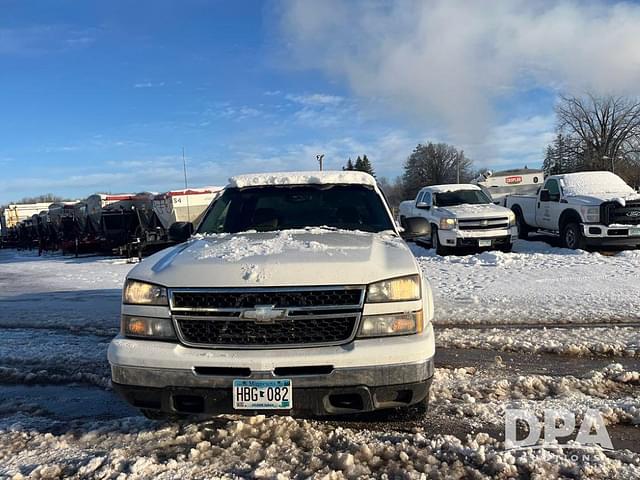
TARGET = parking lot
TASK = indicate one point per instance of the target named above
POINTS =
(506, 334)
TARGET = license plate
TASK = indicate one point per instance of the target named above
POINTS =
(484, 243)
(634, 231)
(262, 394)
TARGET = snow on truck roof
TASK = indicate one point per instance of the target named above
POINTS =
(451, 187)
(590, 183)
(302, 178)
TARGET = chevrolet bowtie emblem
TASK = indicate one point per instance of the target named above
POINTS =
(264, 314)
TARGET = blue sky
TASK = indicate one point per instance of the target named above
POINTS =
(102, 96)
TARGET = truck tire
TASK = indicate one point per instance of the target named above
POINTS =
(435, 243)
(523, 228)
(162, 416)
(506, 248)
(571, 236)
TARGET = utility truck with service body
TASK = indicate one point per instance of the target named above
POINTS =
(461, 216)
(587, 209)
(296, 294)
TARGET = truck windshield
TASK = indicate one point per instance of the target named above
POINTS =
(270, 208)
(460, 197)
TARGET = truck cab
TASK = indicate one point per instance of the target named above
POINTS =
(462, 216)
(586, 209)
(296, 294)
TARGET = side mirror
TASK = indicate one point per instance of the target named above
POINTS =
(415, 227)
(544, 196)
(180, 231)
(423, 205)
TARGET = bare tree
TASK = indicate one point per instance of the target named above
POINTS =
(393, 190)
(607, 126)
(433, 164)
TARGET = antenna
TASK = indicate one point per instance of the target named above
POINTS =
(186, 184)
(320, 157)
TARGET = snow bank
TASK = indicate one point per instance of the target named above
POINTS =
(302, 178)
(282, 448)
(609, 341)
(536, 284)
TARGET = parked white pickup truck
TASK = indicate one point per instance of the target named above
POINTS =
(462, 216)
(296, 294)
(586, 209)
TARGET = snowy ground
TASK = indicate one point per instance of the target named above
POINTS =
(537, 284)
(58, 417)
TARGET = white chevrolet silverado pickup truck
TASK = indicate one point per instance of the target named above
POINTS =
(295, 295)
(462, 216)
(587, 209)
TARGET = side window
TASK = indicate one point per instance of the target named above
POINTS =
(419, 197)
(554, 190)
(427, 198)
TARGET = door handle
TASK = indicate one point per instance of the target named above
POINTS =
(538, 204)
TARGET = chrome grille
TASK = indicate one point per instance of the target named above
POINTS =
(288, 332)
(266, 317)
(196, 300)
(614, 213)
(486, 224)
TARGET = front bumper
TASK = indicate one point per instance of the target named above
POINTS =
(342, 391)
(611, 235)
(470, 238)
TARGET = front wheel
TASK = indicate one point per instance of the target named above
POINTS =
(523, 228)
(159, 415)
(572, 237)
(506, 248)
(435, 242)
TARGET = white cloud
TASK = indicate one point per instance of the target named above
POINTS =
(148, 85)
(387, 152)
(448, 61)
(315, 99)
(519, 142)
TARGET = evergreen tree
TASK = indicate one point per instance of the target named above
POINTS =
(565, 155)
(349, 165)
(363, 164)
(549, 166)
(366, 166)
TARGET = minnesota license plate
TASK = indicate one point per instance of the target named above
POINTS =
(484, 243)
(634, 231)
(262, 394)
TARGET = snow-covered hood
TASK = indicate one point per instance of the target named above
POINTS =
(288, 258)
(469, 211)
(597, 199)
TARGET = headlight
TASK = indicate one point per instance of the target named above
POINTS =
(134, 326)
(448, 223)
(391, 324)
(141, 293)
(512, 218)
(395, 290)
(591, 214)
